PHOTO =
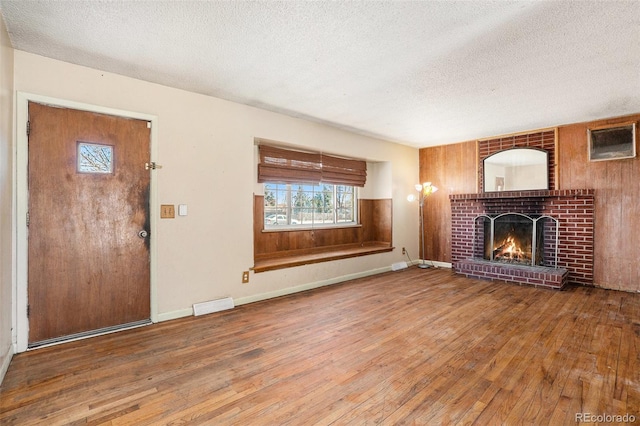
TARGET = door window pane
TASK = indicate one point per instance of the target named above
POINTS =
(95, 158)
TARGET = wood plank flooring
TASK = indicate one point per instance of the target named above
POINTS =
(408, 347)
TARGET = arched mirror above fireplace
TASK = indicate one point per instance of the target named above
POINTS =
(516, 169)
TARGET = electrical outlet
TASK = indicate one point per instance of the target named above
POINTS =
(245, 277)
(404, 250)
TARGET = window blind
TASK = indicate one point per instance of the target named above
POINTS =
(288, 166)
(343, 171)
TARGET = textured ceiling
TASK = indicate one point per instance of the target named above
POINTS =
(419, 73)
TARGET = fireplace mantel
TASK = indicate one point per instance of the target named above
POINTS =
(573, 208)
(539, 193)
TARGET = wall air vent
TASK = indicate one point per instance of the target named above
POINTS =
(213, 306)
(612, 142)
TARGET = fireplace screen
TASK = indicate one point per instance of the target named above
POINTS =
(516, 238)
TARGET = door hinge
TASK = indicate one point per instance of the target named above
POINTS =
(28, 218)
(152, 166)
(28, 310)
(28, 127)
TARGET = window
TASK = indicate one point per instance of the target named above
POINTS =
(308, 205)
(95, 158)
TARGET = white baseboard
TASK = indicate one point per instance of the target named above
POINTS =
(167, 316)
(441, 264)
(435, 263)
(6, 360)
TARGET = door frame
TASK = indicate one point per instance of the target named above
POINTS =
(20, 298)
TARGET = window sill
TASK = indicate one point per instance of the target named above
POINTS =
(289, 228)
(299, 257)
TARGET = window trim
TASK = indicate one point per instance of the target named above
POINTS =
(293, 228)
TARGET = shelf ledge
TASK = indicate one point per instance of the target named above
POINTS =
(290, 259)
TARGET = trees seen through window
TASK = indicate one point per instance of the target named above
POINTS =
(308, 205)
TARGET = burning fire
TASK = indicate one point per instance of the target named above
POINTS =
(509, 250)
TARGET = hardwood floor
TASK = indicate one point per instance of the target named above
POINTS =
(408, 347)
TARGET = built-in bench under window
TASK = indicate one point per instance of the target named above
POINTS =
(285, 249)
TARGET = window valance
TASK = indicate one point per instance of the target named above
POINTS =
(287, 166)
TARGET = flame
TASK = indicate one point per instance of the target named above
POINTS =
(511, 249)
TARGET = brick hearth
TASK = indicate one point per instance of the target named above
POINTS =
(532, 275)
(574, 210)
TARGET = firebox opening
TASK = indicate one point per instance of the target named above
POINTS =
(513, 240)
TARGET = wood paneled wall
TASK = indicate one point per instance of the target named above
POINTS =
(376, 218)
(454, 169)
(617, 203)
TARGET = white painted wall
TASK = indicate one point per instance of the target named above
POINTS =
(6, 199)
(206, 148)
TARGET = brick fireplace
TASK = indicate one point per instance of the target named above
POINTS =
(572, 211)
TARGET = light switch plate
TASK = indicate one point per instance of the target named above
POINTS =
(182, 209)
(167, 211)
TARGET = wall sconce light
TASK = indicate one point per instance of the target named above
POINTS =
(424, 190)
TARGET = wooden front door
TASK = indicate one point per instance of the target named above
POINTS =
(88, 224)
